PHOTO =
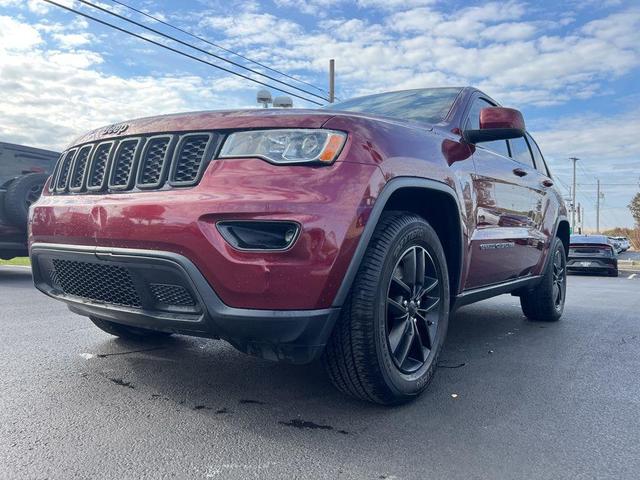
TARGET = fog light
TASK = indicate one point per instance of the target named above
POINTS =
(257, 235)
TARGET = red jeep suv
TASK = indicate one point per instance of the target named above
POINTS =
(348, 234)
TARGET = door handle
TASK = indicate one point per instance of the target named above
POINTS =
(547, 183)
(519, 172)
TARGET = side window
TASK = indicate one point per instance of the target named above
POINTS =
(537, 156)
(520, 151)
(473, 123)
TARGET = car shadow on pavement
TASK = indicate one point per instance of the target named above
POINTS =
(210, 379)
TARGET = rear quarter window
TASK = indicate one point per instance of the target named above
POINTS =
(541, 165)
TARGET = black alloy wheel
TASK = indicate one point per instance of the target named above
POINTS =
(559, 277)
(412, 314)
(545, 301)
(384, 347)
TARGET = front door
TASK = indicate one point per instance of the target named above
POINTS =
(507, 242)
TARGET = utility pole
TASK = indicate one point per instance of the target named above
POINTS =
(573, 192)
(332, 80)
(579, 218)
(598, 208)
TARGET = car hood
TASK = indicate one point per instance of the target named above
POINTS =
(210, 120)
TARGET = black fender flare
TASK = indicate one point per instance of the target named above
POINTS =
(560, 219)
(389, 189)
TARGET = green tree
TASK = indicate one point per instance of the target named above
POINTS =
(634, 206)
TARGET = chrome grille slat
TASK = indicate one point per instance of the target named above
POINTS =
(99, 165)
(154, 161)
(124, 163)
(76, 182)
(54, 175)
(65, 168)
(189, 158)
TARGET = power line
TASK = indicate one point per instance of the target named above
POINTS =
(192, 57)
(201, 50)
(610, 184)
(186, 32)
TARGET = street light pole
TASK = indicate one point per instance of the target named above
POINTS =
(573, 192)
(332, 80)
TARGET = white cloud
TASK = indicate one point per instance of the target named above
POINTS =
(606, 146)
(50, 95)
(72, 40)
(508, 31)
(16, 35)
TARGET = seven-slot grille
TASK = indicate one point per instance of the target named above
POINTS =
(135, 162)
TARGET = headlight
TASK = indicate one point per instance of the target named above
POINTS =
(285, 146)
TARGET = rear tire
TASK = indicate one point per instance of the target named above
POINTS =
(614, 273)
(545, 303)
(20, 194)
(385, 345)
(126, 332)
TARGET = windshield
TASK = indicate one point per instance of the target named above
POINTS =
(429, 105)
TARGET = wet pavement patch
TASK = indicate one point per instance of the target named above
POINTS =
(457, 365)
(121, 382)
(250, 401)
(304, 424)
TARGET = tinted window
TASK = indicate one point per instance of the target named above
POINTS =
(537, 156)
(429, 105)
(520, 151)
(473, 123)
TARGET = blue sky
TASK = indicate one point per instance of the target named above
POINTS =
(572, 67)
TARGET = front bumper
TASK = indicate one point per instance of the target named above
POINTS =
(121, 285)
(331, 204)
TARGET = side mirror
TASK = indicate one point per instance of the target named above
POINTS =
(497, 123)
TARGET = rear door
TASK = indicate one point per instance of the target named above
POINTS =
(508, 241)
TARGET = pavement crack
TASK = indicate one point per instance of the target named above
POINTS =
(104, 355)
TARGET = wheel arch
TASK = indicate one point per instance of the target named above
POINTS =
(563, 232)
(416, 195)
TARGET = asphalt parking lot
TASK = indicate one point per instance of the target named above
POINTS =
(512, 399)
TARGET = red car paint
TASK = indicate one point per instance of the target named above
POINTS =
(331, 203)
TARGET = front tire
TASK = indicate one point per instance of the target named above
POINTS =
(385, 345)
(545, 302)
(126, 332)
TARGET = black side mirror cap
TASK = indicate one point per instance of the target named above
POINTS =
(491, 134)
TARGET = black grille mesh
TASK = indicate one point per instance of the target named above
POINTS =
(171, 295)
(189, 158)
(153, 161)
(123, 163)
(80, 166)
(99, 165)
(99, 283)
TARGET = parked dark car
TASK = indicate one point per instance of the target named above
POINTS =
(348, 233)
(592, 254)
(23, 172)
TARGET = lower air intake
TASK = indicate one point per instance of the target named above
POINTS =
(109, 284)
